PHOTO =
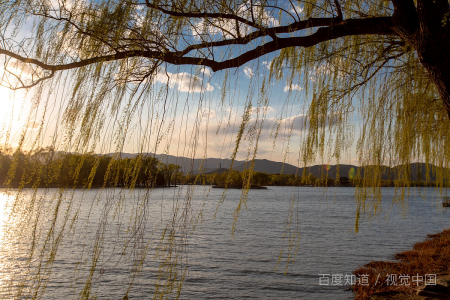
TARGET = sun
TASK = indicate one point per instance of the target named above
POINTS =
(11, 101)
(13, 113)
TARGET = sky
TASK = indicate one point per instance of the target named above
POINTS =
(212, 123)
(197, 122)
(194, 120)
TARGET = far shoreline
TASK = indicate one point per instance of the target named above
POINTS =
(211, 185)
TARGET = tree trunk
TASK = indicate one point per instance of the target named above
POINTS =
(440, 74)
(428, 32)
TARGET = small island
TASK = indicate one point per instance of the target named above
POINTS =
(252, 187)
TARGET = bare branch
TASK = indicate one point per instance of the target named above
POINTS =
(27, 86)
(204, 15)
(338, 9)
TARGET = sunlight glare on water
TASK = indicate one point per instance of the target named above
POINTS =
(3, 202)
(6, 248)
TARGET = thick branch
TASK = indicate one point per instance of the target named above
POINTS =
(82, 63)
(405, 16)
(381, 26)
(338, 9)
(296, 26)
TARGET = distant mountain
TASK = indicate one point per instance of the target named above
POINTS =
(419, 170)
(331, 170)
(189, 165)
(211, 165)
(268, 166)
(416, 171)
(197, 165)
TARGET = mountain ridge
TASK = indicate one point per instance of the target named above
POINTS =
(211, 165)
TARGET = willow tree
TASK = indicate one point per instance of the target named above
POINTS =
(103, 59)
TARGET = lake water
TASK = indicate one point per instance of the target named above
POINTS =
(220, 265)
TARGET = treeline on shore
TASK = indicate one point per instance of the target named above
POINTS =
(48, 168)
(233, 178)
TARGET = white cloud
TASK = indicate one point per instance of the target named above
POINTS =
(184, 82)
(298, 122)
(292, 87)
(206, 71)
(32, 125)
(296, 9)
(248, 72)
(354, 161)
(268, 64)
(208, 113)
(262, 109)
(327, 68)
(58, 5)
(224, 27)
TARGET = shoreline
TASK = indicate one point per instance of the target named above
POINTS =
(420, 273)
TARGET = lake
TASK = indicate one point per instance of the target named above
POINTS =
(103, 255)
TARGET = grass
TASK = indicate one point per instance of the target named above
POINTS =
(431, 256)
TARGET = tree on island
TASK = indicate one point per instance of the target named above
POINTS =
(387, 59)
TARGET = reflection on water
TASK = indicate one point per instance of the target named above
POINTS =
(105, 243)
(11, 258)
(3, 202)
(5, 276)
